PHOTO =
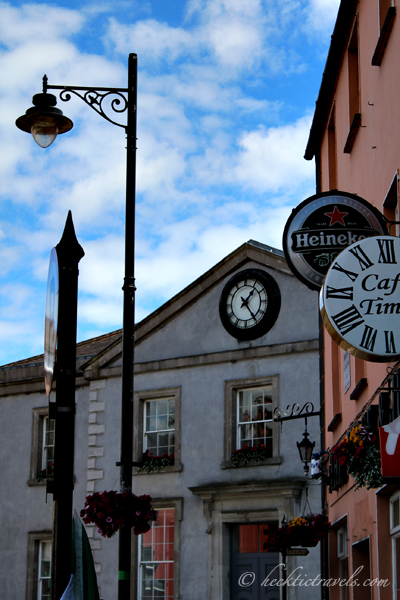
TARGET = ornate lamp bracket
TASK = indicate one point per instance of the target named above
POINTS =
(295, 412)
(104, 101)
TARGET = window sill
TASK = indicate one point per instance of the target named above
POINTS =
(384, 37)
(355, 126)
(35, 483)
(335, 422)
(360, 387)
(170, 469)
(276, 460)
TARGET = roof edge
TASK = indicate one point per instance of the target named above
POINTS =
(344, 20)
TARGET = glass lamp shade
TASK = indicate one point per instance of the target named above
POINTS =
(44, 130)
(44, 121)
(306, 448)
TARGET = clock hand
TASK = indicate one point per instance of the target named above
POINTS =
(246, 300)
(251, 312)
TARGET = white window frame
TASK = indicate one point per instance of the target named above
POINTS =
(39, 419)
(139, 401)
(41, 578)
(239, 441)
(142, 563)
(159, 503)
(35, 540)
(147, 432)
(232, 387)
(45, 446)
(395, 498)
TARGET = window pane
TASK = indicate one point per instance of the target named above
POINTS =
(157, 576)
(162, 422)
(162, 407)
(254, 412)
(160, 417)
(151, 423)
(44, 570)
(248, 536)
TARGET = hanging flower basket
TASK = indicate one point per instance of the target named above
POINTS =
(248, 454)
(361, 455)
(111, 510)
(152, 464)
(304, 531)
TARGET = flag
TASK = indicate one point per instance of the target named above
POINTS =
(83, 582)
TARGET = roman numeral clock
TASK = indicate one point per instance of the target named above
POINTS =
(249, 304)
(360, 299)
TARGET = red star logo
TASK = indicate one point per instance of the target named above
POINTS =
(336, 216)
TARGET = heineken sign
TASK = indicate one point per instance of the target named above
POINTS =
(321, 227)
(360, 299)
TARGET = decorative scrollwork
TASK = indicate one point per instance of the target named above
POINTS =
(294, 411)
(102, 101)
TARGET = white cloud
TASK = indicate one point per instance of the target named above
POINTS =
(220, 146)
(270, 159)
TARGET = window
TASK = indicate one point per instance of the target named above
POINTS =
(47, 442)
(156, 554)
(44, 570)
(156, 558)
(395, 514)
(387, 13)
(42, 445)
(343, 556)
(354, 89)
(346, 371)
(249, 408)
(39, 566)
(332, 160)
(252, 538)
(157, 424)
(255, 418)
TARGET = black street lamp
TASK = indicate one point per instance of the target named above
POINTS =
(45, 121)
(306, 449)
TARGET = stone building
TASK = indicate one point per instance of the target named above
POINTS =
(203, 389)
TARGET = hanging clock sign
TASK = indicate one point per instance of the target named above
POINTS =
(51, 320)
(321, 227)
(360, 299)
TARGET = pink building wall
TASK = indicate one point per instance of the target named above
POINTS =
(368, 170)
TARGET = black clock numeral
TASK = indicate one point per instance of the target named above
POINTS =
(387, 254)
(348, 319)
(389, 343)
(369, 338)
(362, 258)
(339, 293)
(350, 274)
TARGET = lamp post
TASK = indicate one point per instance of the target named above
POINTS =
(45, 122)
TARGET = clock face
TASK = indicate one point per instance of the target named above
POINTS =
(249, 304)
(360, 299)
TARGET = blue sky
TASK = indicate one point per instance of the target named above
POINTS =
(226, 91)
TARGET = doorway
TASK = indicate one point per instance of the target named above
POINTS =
(253, 566)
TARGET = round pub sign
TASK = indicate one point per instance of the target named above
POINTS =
(360, 299)
(321, 227)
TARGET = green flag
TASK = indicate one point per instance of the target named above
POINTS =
(83, 582)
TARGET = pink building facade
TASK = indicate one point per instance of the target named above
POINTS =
(355, 140)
